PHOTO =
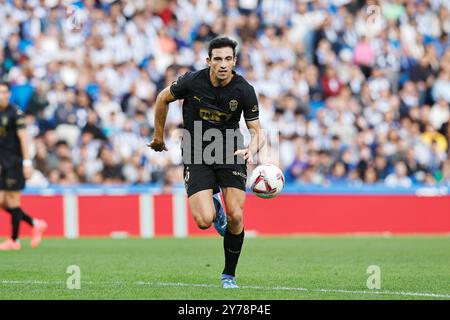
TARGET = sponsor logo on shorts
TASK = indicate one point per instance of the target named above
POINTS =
(241, 174)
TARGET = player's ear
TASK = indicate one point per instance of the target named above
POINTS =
(208, 61)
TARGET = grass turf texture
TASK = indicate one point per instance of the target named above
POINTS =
(269, 268)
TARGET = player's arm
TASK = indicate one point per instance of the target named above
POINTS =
(257, 141)
(161, 108)
(251, 116)
(27, 163)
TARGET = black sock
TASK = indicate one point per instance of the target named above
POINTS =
(27, 218)
(232, 245)
(16, 216)
(23, 215)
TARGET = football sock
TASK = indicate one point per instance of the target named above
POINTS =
(27, 218)
(232, 245)
(22, 214)
(16, 216)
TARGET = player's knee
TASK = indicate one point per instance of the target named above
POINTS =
(234, 216)
(203, 223)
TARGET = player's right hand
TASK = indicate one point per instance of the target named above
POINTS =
(157, 145)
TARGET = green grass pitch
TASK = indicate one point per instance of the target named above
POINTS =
(269, 268)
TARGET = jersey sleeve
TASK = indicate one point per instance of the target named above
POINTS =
(251, 108)
(19, 119)
(180, 87)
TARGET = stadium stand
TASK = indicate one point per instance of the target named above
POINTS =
(358, 98)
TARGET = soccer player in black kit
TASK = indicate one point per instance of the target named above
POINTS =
(215, 98)
(15, 167)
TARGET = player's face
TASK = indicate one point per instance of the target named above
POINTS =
(4, 96)
(221, 63)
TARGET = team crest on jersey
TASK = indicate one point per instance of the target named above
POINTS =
(233, 105)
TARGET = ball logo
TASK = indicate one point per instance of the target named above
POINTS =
(268, 187)
(266, 181)
(233, 105)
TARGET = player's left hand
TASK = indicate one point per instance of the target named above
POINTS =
(246, 154)
(27, 172)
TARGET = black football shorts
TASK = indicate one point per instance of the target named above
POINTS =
(11, 177)
(198, 177)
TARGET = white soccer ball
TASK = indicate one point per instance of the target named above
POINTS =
(266, 181)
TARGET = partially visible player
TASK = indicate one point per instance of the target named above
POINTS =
(15, 167)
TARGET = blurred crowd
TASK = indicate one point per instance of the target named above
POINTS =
(358, 90)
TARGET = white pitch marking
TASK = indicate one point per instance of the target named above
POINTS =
(412, 294)
(204, 285)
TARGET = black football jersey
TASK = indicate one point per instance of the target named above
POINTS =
(214, 108)
(11, 120)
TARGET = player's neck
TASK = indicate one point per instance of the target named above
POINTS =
(3, 108)
(220, 83)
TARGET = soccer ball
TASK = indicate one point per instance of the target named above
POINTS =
(266, 181)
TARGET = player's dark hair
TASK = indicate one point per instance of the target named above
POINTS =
(222, 42)
(5, 84)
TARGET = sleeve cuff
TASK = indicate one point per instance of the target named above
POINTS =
(171, 91)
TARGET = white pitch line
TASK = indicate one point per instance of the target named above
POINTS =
(204, 285)
(400, 293)
(59, 282)
(25, 282)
